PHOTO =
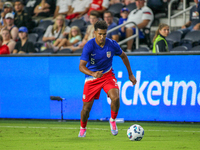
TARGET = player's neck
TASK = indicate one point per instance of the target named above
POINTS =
(100, 44)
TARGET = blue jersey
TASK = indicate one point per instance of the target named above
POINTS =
(99, 58)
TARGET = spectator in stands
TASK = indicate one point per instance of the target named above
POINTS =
(94, 17)
(143, 17)
(79, 8)
(108, 18)
(193, 23)
(30, 6)
(7, 8)
(114, 2)
(58, 30)
(158, 6)
(1, 6)
(124, 16)
(125, 2)
(159, 41)
(98, 5)
(24, 46)
(74, 39)
(7, 40)
(3, 48)
(21, 17)
(44, 9)
(11, 26)
(62, 7)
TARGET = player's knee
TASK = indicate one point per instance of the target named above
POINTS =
(86, 110)
(115, 99)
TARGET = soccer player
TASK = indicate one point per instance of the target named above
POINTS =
(96, 64)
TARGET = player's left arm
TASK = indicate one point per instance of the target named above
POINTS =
(127, 64)
(85, 70)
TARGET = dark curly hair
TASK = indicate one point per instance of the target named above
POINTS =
(100, 25)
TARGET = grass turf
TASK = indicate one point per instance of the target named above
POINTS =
(51, 135)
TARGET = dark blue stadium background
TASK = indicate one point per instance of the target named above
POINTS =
(28, 82)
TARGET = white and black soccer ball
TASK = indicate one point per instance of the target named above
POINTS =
(135, 132)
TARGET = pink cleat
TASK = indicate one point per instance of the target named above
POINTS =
(113, 126)
(82, 132)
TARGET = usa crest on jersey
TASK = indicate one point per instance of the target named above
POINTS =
(109, 54)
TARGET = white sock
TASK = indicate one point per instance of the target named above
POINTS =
(111, 119)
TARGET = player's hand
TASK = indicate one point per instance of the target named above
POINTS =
(132, 79)
(98, 74)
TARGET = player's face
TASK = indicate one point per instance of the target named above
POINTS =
(164, 31)
(100, 36)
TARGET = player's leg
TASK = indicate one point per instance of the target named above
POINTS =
(86, 110)
(84, 117)
(115, 103)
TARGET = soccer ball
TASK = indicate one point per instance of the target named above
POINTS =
(135, 132)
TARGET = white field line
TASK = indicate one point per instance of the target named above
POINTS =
(69, 128)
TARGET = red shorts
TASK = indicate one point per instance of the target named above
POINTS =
(72, 16)
(92, 88)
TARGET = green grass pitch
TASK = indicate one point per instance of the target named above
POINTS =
(54, 135)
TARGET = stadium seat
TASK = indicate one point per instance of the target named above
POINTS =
(33, 37)
(131, 6)
(40, 31)
(147, 37)
(45, 23)
(40, 39)
(115, 9)
(142, 49)
(191, 39)
(49, 50)
(116, 20)
(66, 50)
(78, 51)
(196, 48)
(38, 45)
(80, 23)
(179, 49)
(174, 39)
(67, 22)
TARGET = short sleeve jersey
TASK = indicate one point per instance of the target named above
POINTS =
(138, 15)
(98, 5)
(99, 58)
(80, 5)
(63, 5)
(78, 37)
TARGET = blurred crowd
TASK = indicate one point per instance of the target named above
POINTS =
(30, 26)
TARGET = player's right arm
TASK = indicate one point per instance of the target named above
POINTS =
(85, 70)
